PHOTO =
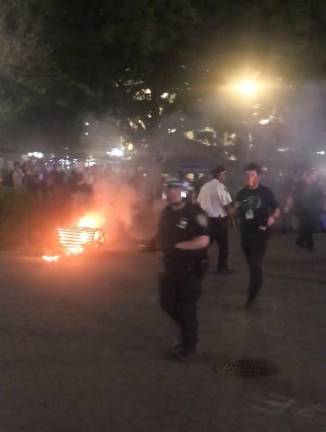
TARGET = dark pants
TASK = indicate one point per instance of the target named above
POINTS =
(254, 244)
(219, 232)
(306, 229)
(180, 290)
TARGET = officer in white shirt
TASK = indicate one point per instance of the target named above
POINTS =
(215, 200)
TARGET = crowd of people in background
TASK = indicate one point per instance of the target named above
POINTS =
(301, 194)
(52, 181)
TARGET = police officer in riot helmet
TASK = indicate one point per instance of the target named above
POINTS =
(183, 238)
(257, 209)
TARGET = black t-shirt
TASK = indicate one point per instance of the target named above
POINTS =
(255, 206)
(180, 225)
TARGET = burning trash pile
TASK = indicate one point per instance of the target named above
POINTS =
(77, 239)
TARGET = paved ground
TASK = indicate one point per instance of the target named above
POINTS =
(82, 347)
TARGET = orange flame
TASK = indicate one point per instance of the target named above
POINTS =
(91, 221)
(86, 232)
(50, 258)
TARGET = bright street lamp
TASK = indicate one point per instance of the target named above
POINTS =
(247, 88)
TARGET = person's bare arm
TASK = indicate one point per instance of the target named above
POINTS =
(272, 218)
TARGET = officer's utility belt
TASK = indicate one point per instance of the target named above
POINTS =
(199, 267)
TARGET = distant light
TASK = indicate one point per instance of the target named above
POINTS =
(321, 152)
(283, 149)
(171, 131)
(66, 148)
(116, 152)
(38, 155)
(86, 133)
(165, 95)
(86, 123)
(264, 121)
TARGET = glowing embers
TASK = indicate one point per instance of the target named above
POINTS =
(76, 240)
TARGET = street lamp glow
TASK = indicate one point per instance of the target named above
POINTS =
(247, 87)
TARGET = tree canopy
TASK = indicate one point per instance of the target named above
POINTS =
(145, 63)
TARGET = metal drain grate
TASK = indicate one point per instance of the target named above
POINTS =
(249, 368)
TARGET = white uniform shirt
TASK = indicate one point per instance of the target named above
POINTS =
(213, 197)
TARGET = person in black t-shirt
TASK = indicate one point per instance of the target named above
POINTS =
(257, 210)
(183, 238)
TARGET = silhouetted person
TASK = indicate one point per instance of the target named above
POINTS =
(307, 204)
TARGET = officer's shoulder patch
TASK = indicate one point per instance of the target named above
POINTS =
(202, 220)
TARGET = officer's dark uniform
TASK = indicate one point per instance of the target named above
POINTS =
(254, 208)
(180, 283)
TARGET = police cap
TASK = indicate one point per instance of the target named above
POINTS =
(177, 183)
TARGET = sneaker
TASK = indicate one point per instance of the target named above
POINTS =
(186, 355)
(249, 303)
(177, 347)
